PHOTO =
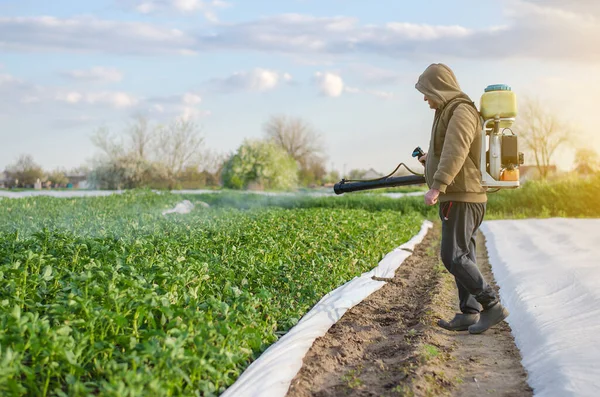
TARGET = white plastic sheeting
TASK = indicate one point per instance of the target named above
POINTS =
(184, 207)
(59, 193)
(271, 374)
(549, 276)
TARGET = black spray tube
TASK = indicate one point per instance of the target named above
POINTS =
(347, 187)
(355, 186)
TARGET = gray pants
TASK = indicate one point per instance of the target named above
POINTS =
(460, 222)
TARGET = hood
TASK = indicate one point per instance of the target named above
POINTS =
(439, 83)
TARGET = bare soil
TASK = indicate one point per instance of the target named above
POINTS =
(389, 345)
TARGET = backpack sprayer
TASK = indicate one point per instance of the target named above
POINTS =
(500, 158)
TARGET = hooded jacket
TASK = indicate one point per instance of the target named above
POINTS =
(454, 153)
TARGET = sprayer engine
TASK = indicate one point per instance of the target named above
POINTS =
(500, 156)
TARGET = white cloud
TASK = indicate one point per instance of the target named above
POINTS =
(70, 97)
(157, 108)
(353, 90)
(191, 113)
(72, 122)
(145, 8)
(382, 94)
(534, 29)
(96, 74)
(89, 34)
(258, 80)
(191, 99)
(30, 99)
(8, 79)
(66, 106)
(330, 84)
(377, 75)
(113, 99)
(185, 106)
(15, 91)
(379, 94)
(207, 8)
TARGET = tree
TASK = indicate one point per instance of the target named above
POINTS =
(332, 176)
(542, 132)
(260, 164)
(57, 178)
(211, 165)
(296, 136)
(148, 156)
(25, 172)
(302, 142)
(141, 136)
(356, 174)
(178, 147)
(586, 161)
(120, 165)
(313, 173)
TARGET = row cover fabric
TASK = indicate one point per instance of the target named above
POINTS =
(549, 276)
(58, 193)
(184, 207)
(272, 373)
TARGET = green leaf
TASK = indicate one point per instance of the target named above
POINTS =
(47, 273)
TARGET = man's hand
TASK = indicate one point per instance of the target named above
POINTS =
(423, 158)
(431, 197)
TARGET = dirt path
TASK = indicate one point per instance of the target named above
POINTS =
(389, 344)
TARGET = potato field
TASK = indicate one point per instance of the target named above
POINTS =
(106, 296)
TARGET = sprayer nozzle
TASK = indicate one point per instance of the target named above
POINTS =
(418, 152)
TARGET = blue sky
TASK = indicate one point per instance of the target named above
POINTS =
(347, 67)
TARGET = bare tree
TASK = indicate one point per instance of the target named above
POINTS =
(147, 154)
(178, 146)
(543, 133)
(141, 136)
(296, 136)
(109, 145)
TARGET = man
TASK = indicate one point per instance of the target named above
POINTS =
(454, 179)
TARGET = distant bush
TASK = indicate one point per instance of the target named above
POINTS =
(260, 165)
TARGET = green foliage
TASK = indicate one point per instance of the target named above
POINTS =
(260, 164)
(569, 197)
(312, 172)
(429, 352)
(24, 172)
(57, 178)
(106, 296)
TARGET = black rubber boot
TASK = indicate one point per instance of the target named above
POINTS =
(488, 318)
(460, 322)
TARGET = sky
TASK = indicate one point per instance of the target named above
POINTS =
(347, 67)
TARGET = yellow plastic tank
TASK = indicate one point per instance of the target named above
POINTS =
(498, 100)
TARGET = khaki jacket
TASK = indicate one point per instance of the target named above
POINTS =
(454, 153)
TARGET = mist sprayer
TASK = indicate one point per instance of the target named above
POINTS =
(500, 157)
